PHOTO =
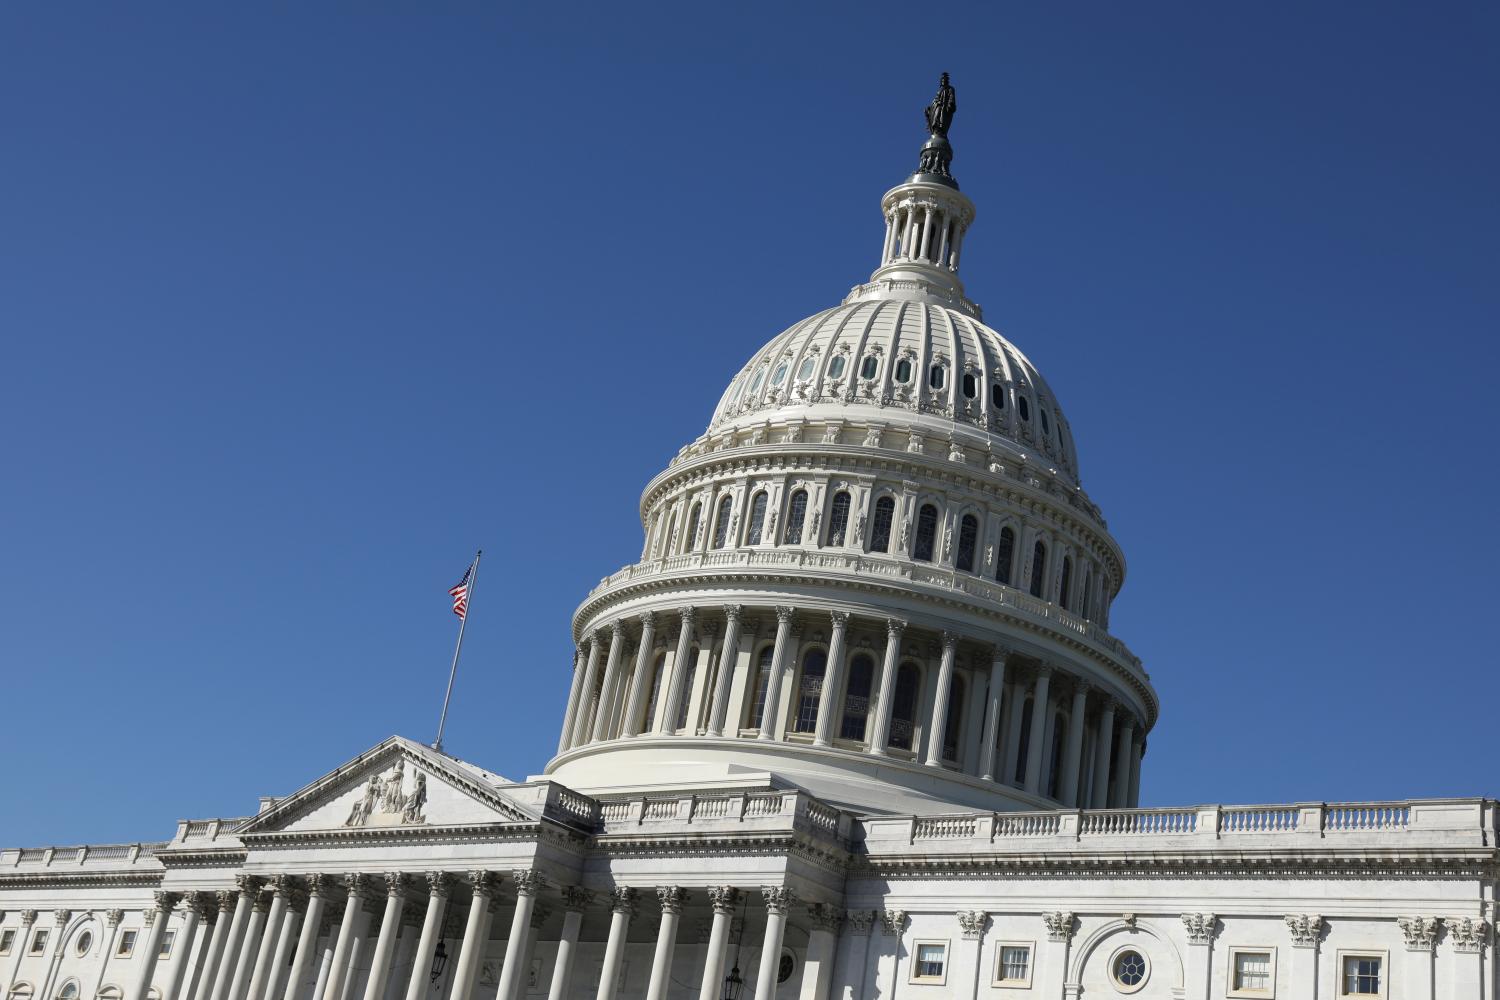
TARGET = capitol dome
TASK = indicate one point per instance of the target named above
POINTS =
(875, 575)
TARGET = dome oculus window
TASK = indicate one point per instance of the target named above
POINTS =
(805, 370)
(937, 377)
(971, 385)
(779, 375)
(1129, 970)
(836, 366)
(869, 367)
(903, 371)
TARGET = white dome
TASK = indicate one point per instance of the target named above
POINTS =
(876, 354)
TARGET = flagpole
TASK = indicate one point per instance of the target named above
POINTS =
(463, 622)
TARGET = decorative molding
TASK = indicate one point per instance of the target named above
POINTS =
(1200, 927)
(1059, 925)
(971, 923)
(1420, 932)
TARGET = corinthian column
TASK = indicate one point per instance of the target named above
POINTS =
(778, 901)
(194, 908)
(476, 934)
(225, 900)
(991, 737)
(833, 682)
(575, 901)
(1037, 748)
(1119, 798)
(728, 654)
(679, 673)
(671, 898)
(579, 734)
(281, 889)
(772, 707)
(884, 701)
(249, 888)
(623, 907)
(574, 692)
(938, 731)
(528, 881)
(723, 898)
(318, 889)
(1100, 797)
(631, 724)
(354, 916)
(611, 681)
(385, 943)
(439, 885)
(149, 948)
(1067, 789)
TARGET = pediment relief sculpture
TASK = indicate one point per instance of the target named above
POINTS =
(386, 802)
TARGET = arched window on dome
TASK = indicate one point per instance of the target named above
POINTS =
(971, 385)
(880, 532)
(810, 691)
(953, 720)
(968, 535)
(69, 990)
(760, 376)
(926, 533)
(937, 376)
(1005, 554)
(658, 666)
(1055, 756)
(869, 367)
(1023, 407)
(1038, 568)
(691, 541)
(857, 698)
(689, 670)
(721, 525)
(1019, 776)
(664, 543)
(757, 518)
(903, 371)
(836, 366)
(762, 677)
(1086, 595)
(1046, 423)
(904, 707)
(838, 518)
(997, 395)
(805, 370)
(796, 514)
(1065, 584)
(779, 375)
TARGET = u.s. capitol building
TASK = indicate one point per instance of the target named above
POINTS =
(854, 726)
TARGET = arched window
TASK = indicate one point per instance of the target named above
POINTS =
(1038, 568)
(692, 533)
(971, 385)
(937, 375)
(953, 720)
(1023, 407)
(836, 366)
(760, 376)
(658, 666)
(805, 370)
(997, 395)
(968, 534)
(69, 990)
(1086, 599)
(810, 690)
(721, 526)
(1065, 583)
(869, 366)
(904, 706)
(686, 701)
(1005, 554)
(757, 518)
(762, 677)
(779, 375)
(1046, 424)
(926, 533)
(664, 543)
(903, 370)
(857, 698)
(1025, 746)
(838, 518)
(23, 991)
(880, 533)
(1054, 757)
(796, 513)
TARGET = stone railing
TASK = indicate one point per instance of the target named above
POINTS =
(82, 856)
(790, 809)
(199, 831)
(842, 561)
(1425, 822)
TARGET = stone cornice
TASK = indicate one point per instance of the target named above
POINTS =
(453, 833)
(663, 844)
(80, 880)
(1482, 864)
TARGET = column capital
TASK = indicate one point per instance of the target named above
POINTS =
(281, 885)
(622, 900)
(225, 898)
(440, 884)
(576, 897)
(397, 884)
(860, 922)
(671, 898)
(894, 627)
(732, 612)
(248, 885)
(840, 619)
(1305, 928)
(1200, 927)
(1467, 934)
(892, 921)
(482, 882)
(779, 898)
(724, 898)
(971, 923)
(164, 902)
(318, 884)
(647, 619)
(1044, 670)
(687, 613)
(358, 884)
(1421, 932)
(784, 614)
(950, 641)
(112, 918)
(528, 881)
(1082, 688)
(824, 917)
(1059, 925)
(262, 902)
(616, 629)
(1001, 650)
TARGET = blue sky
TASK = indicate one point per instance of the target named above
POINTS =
(301, 303)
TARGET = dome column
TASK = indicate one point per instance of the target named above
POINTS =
(938, 730)
(611, 681)
(771, 710)
(1100, 797)
(635, 705)
(728, 654)
(580, 725)
(833, 681)
(579, 657)
(679, 673)
(1120, 793)
(992, 713)
(1067, 790)
(1037, 745)
(884, 700)
(1137, 750)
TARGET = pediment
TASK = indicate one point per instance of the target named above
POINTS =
(398, 785)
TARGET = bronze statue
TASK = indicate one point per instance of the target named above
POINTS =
(939, 113)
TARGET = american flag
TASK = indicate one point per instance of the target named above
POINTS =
(460, 594)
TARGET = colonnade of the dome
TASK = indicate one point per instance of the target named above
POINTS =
(861, 684)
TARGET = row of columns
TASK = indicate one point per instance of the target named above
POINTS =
(1116, 752)
(922, 232)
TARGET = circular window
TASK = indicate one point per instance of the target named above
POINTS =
(85, 942)
(836, 366)
(787, 967)
(779, 375)
(1129, 970)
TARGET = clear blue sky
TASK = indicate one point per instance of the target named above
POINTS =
(300, 305)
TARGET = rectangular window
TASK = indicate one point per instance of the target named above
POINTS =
(166, 945)
(1252, 972)
(7, 941)
(1361, 975)
(39, 942)
(127, 944)
(1013, 964)
(929, 962)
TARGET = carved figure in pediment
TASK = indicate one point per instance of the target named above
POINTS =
(415, 801)
(392, 796)
(365, 805)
